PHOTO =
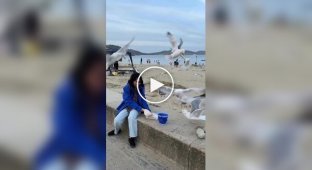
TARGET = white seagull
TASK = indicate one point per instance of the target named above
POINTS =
(197, 104)
(176, 51)
(186, 97)
(121, 53)
(187, 64)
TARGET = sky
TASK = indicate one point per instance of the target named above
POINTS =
(148, 21)
(65, 8)
(293, 10)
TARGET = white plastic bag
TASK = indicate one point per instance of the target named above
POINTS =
(152, 116)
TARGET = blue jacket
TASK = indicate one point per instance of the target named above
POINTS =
(69, 132)
(128, 101)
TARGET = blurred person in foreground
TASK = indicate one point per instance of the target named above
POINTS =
(78, 132)
(131, 105)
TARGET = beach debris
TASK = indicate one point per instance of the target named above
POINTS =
(176, 51)
(200, 132)
(116, 56)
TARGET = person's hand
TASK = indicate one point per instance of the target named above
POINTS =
(147, 113)
(150, 115)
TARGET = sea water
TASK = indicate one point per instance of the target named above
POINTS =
(200, 59)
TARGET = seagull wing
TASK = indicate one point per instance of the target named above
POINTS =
(181, 43)
(124, 49)
(199, 113)
(172, 40)
(116, 56)
(185, 99)
(202, 104)
(190, 91)
(196, 115)
(195, 104)
(187, 64)
(164, 90)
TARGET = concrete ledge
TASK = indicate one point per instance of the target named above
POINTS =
(175, 140)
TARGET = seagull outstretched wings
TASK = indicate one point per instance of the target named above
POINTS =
(194, 97)
(172, 41)
(176, 50)
(124, 49)
(116, 56)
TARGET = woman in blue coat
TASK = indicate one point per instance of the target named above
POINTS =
(78, 120)
(131, 106)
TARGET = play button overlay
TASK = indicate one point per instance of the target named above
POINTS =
(158, 77)
(155, 85)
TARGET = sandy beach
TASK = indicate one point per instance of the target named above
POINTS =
(193, 77)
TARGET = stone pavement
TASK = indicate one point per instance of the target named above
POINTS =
(120, 156)
(176, 140)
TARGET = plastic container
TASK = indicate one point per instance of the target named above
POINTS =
(162, 118)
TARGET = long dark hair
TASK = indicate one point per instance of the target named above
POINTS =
(133, 78)
(90, 55)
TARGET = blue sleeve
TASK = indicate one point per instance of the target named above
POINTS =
(69, 128)
(145, 105)
(129, 100)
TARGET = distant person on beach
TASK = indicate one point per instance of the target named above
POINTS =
(131, 106)
(176, 63)
(141, 61)
(78, 139)
(116, 66)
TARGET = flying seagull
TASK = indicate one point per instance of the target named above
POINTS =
(187, 64)
(121, 53)
(176, 51)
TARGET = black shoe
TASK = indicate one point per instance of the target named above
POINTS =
(112, 133)
(132, 142)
